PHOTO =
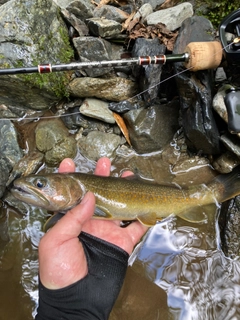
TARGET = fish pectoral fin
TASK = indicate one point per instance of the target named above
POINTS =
(101, 212)
(52, 221)
(148, 219)
(197, 214)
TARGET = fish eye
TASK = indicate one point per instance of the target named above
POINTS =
(39, 184)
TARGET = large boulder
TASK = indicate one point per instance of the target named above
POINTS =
(32, 33)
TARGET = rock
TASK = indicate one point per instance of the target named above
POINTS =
(98, 144)
(111, 13)
(75, 120)
(145, 10)
(229, 224)
(148, 76)
(32, 32)
(153, 3)
(93, 49)
(152, 128)
(53, 139)
(82, 9)
(195, 91)
(77, 24)
(171, 17)
(105, 28)
(97, 109)
(232, 143)
(121, 89)
(226, 162)
(10, 153)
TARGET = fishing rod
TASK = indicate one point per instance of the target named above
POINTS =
(196, 57)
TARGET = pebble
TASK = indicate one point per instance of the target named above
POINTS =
(97, 109)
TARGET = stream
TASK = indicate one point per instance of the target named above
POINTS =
(177, 271)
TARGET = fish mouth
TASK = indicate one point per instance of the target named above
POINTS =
(29, 195)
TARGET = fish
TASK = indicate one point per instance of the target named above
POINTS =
(125, 199)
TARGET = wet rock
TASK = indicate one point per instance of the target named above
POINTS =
(152, 128)
(98, 144)
(97, 109)
(195, 91)
(73, 120)
(104, 28)
(29, 164)
(124, 106)
(229, 223)
(232, 143)
(121, 89)
(148, 76)
(32, 31)
(111, 13)
(10, 153)
(172, 17)
(226, 162)
(53, 139)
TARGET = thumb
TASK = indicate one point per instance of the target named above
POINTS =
(70, 225)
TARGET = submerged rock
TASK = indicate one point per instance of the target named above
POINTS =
(152, 128)
(53, 139)
(99, 144)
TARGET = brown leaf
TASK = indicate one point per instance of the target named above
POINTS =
(120, 122)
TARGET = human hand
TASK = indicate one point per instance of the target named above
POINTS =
(62, 260)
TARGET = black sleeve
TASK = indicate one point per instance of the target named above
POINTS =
(93, 296)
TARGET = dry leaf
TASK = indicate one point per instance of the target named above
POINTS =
(120, 122)
(139, 30)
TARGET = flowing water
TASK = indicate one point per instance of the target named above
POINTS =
(177, 272)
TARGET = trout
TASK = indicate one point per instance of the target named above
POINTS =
(125, 198)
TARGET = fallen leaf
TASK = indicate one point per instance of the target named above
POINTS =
(120, 122)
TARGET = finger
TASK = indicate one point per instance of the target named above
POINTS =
(136, 230)
(103, 167)
(70, 225)
(67, 165)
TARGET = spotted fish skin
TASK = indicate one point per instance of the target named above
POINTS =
(125, 198)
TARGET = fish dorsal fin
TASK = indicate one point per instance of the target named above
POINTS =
(198, 214)
(148, 219)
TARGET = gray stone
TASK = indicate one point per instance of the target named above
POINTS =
(111, 13)
(82, 9)
(97, 109)
(93, 49)
(98, 144)
(104, 28)
(153, 3)
(121, 89)
(152, 128)
(172, 17)
(10, 152)
(145, 10)
(53, 139)
(32, 32)
(148, 76)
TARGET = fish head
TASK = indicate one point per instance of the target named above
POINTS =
(53, 192)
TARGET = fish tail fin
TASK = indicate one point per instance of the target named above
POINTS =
(228, 185)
